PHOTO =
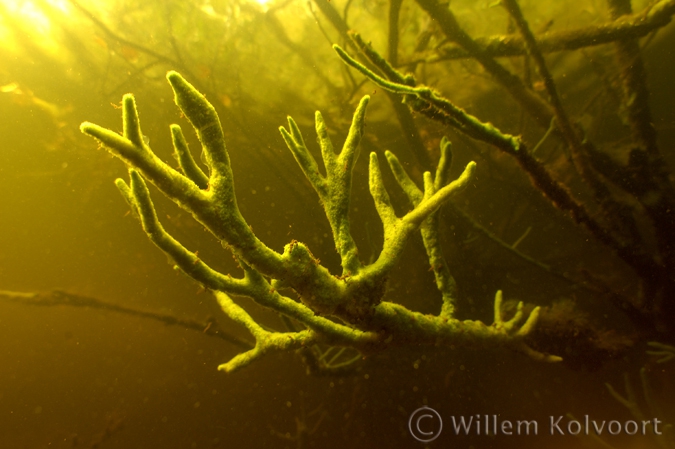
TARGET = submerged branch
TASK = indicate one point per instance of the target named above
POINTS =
(632, 26)
(62, 298)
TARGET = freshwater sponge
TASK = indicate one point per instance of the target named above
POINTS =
(346, 310)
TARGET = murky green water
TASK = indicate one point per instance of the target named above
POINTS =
(110, 347)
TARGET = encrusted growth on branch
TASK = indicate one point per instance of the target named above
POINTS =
(608, 215)
(362, 319)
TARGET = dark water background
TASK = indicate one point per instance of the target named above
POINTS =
(84, 378)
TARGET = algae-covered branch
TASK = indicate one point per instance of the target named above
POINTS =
(626, 201)
(348, 309)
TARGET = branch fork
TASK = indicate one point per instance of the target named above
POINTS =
(346, 310)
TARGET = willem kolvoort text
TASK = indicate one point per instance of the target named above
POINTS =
(554, 425)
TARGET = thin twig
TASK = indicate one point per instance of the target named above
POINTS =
(619, 217)
(61, 298)
(634, 26)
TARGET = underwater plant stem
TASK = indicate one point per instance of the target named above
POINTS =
(392, 43)
(436, 107)
(333, 17)
(618, 216)
(63, 298)
(378, 61)
(408, 127)
(562, 119)
(273, 23)
(532, 103)
(459, 118)
(633, 77)
(647, 167)
(633, 26)
(127, 43)
(426, 101)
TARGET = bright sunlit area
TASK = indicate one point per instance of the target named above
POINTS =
(33, 18)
